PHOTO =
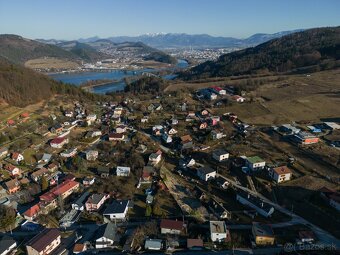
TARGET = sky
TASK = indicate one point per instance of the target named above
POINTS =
(74, 19)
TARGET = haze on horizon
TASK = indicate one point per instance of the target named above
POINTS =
(76, 19)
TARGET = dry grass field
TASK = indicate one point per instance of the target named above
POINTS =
(42, 63)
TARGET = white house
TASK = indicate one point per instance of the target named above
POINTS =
(58, 142)
(217, 134)
(123, 171)
(218, 231)
(220, 155)
(153, 244)
(255, 163)
(121, 129)
(105, 236)
(117, 210)
(166, 138)
(18, 157)
(155, 158)
(280, 174)
(239, 99)
(69, 153)
(91, 155)
(172, 131)
(206, 173)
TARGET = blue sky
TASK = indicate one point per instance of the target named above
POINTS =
(73, 19)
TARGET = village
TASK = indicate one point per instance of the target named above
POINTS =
(171, 173)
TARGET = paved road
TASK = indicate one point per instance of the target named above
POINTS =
(323, 236)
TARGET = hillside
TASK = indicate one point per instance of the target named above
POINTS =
(83, 51)
(19, 50)
(307, 51)
(136, 49)
(20, 86)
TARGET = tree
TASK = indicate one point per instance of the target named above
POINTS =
(7, 218)
(157, 210)
(44, 183)
(148, 211)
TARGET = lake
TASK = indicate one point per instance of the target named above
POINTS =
(79, 78)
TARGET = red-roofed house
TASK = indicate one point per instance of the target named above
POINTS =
(10, 122)
(280, 174)
(16, 156)
(58, 142)
(24, 115)
(32, 212)
(13, 170)
(219, 90)
(172, 226)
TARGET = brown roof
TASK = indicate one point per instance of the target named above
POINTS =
(186, 138)
(12, 184)
(79, 247)
(194, 243)
(282, 170)
(43, 239)
(39, 172)
(172, 224)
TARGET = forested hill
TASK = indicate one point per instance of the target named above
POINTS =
(20, 86)
(19, 50)
(310, 50)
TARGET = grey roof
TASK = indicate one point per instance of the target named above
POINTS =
(206, 170)
(103, 169)
(95, 198)
(107, 230)
(5, 243)
(261, 229)
(117, 206)
(82, 199)
(258, 202)
(220, 152)
(153, 243)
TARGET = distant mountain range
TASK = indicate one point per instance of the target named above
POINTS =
(173, 40)
(307, 51)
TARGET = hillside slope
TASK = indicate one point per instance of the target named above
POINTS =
(310, 50)
(83, 51)
(20, 86)
(19, 50)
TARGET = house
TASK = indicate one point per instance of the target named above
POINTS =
(219, 210)
(116, 137)
(220, 155)
(219, 90)
(44, 243)
(45, 158)
(172, 131)
(153, 244)
(144, 119)
(88, 181)
(79, 248)
(206, 173)
(149, 199)
(68, 114)
(52, 167)
(69, 153)
(12, 186)
(79, 203)
(91, 118)
(121, 129)
(59, 142)
(203, 125)
(123, 171)
(263, 234)
(307, 236)
(103, 171)
(141, 148)
(186, 162)
(255, 163)
(13, 170)
(280, 174)
(306, 138)
(262, 207)
(219, 231)
(147, 174)
(289, 129)
(221, 182)
(172, 226)
(117, 210)
(332, 125)
(91, 155)
(7, 245)
(167, 138)
(3, 152)
(37, 175)
(331, 196)
(190, 117)
(105, 236)
(214, 120)
(155, 107)
(238, 98)
(17, 157)
(31, 213)
(195, 244)
(217, 134)
(95, 202)
(10, 122)
(186, 142)
(155, 158)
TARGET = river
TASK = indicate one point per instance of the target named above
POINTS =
(81, 77)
